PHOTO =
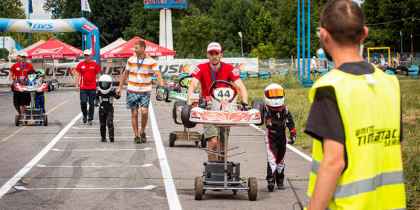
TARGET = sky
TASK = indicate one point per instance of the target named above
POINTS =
(39, 12)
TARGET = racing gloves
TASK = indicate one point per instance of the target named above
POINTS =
(292, 136)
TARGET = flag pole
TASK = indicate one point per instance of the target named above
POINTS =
(30, 10)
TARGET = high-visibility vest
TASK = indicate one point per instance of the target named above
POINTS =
(369, 106)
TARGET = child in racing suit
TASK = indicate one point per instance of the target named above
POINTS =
(276, 117)
(104, 99)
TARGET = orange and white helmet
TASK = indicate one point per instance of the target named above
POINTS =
(274, 96)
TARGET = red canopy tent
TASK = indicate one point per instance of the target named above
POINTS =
(55, 49)
(127, 49)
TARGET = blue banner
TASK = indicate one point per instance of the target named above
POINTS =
(90, 31)
(165, 4)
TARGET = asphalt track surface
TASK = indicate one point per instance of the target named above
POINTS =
(65, 166)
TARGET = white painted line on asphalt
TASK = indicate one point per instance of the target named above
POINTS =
(22, 172)
(122, 115)
(98, 140)
(292, 148)
(98, 137)
(94, 166)
(171, 194)
(148, 187)
(56, 107)
(101, 149)
(97, 121)
(20, 129)
(13, 134)
(96, 128)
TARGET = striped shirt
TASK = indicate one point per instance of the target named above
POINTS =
(140, 72)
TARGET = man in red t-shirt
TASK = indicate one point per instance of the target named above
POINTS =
(206, 74)
(86, 72)
(19, 73)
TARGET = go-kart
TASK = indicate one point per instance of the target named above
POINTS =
(177, 91)
(173, 90)
(53, 84)
(223, 112)
(34, 114)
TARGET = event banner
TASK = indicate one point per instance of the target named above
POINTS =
(62, 71)
(175, 66)
(165, 4)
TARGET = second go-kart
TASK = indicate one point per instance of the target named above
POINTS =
(174, 90)
(223, 112)
(34, 114)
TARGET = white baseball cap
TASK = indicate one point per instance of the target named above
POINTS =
(214, 46)
(87, 52)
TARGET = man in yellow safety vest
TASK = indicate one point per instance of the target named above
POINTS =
(355, 120)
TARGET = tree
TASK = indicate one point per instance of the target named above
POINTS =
(264, 51)
(56, 7)
(143, 23)
(110, 16)
(262, 23)
(193, 36)
(11, 9)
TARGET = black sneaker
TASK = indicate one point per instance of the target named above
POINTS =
(270, 184)
(280, 180)
(143, 138)
(90, 122)
(111, 140)
(84, 120)
(137, 140)
(103, 140)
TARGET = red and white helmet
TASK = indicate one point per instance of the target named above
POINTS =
(274, 96)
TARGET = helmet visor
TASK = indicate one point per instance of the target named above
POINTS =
(274, 93)
(105, 85)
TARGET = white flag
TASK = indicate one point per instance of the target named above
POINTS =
(85, 5)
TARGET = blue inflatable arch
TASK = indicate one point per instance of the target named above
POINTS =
(90, 33)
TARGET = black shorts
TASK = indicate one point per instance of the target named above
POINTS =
(21, 99)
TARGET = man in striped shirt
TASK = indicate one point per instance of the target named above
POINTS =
(138, 74)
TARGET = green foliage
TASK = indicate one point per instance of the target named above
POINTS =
(3, 53)
(143, 23)
(263, 23)
(263, 51)
(11, 9)
(194, 34)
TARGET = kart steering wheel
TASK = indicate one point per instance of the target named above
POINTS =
(182, 81)
(224, 82)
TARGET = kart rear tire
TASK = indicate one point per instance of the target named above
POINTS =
(235, 192)
(198, 188)
(172, 139)
(45, 120)
(270, 187)
(166, 95)
(174, 110)
(203, 141)
(259, 105)
(253, 189)
(185, 117)
(17, 123)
